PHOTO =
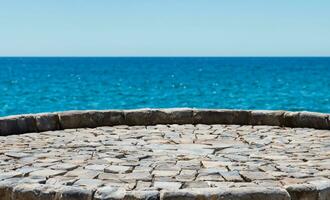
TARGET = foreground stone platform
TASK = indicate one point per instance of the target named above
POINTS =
(167, 162)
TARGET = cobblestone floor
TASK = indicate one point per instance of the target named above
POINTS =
(167, 157)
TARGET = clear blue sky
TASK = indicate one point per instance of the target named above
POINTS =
(164, 27)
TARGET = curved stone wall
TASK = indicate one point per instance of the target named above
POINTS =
(93, 118)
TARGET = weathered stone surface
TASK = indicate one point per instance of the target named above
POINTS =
(192, 164)
(306, 119)
(255, 175)
(240, 117)
(60, 180)
(74, 193)
(76, 119)
(214, 164)
(64, 166)
(211, 161)
(167, 185)
(142, 176)
(81, 173)
(108, 117)
(168, 173)
(195, 184)
(79, 119)
(109, 193)
(8, 126)
(302, 192)
(171, 116)
(10, 174)
(226, 194)
(323, 188)
(186, 175)
(47, 173)
(143, 185)
(232, 176)
(313, 120)
(47, 122)
(26, 124)
(6, 188)
(17, 124)
(291, 119)
(32, 180)
(138, 117)
(33, 192)
(26, 170)
(16, 154)
(264, 117)
(142, 195)
(118, 169)
(91, 184)
(96, 167)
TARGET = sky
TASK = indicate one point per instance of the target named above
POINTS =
(165, 28)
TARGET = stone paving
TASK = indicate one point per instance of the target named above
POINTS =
(110, 162)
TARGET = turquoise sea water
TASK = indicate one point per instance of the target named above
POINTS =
(31, 85)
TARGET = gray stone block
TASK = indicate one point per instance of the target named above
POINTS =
(323, 189)
(265, 117)
(6, 188)
(8, 125)
(109, 193)
(313, 120)
(302, 192)
(142, 195)
(240, 117)
(33, 192)
(249, 193)
(107, 117)
(137, 117)
(306, 120)
(184, 194)
(17, 124)
(47, 122)
(74, 193)
(171, 116)
(244, 193)
(26, 124)
(76, 119)
(290, 119)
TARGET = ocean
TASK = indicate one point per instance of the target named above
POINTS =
(33, 84)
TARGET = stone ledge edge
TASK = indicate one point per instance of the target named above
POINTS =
(19, 124)
(12, 190)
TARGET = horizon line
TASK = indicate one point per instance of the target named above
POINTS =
(165, 56)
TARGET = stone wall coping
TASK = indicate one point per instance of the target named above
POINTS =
(11, 189)
(18, 124)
